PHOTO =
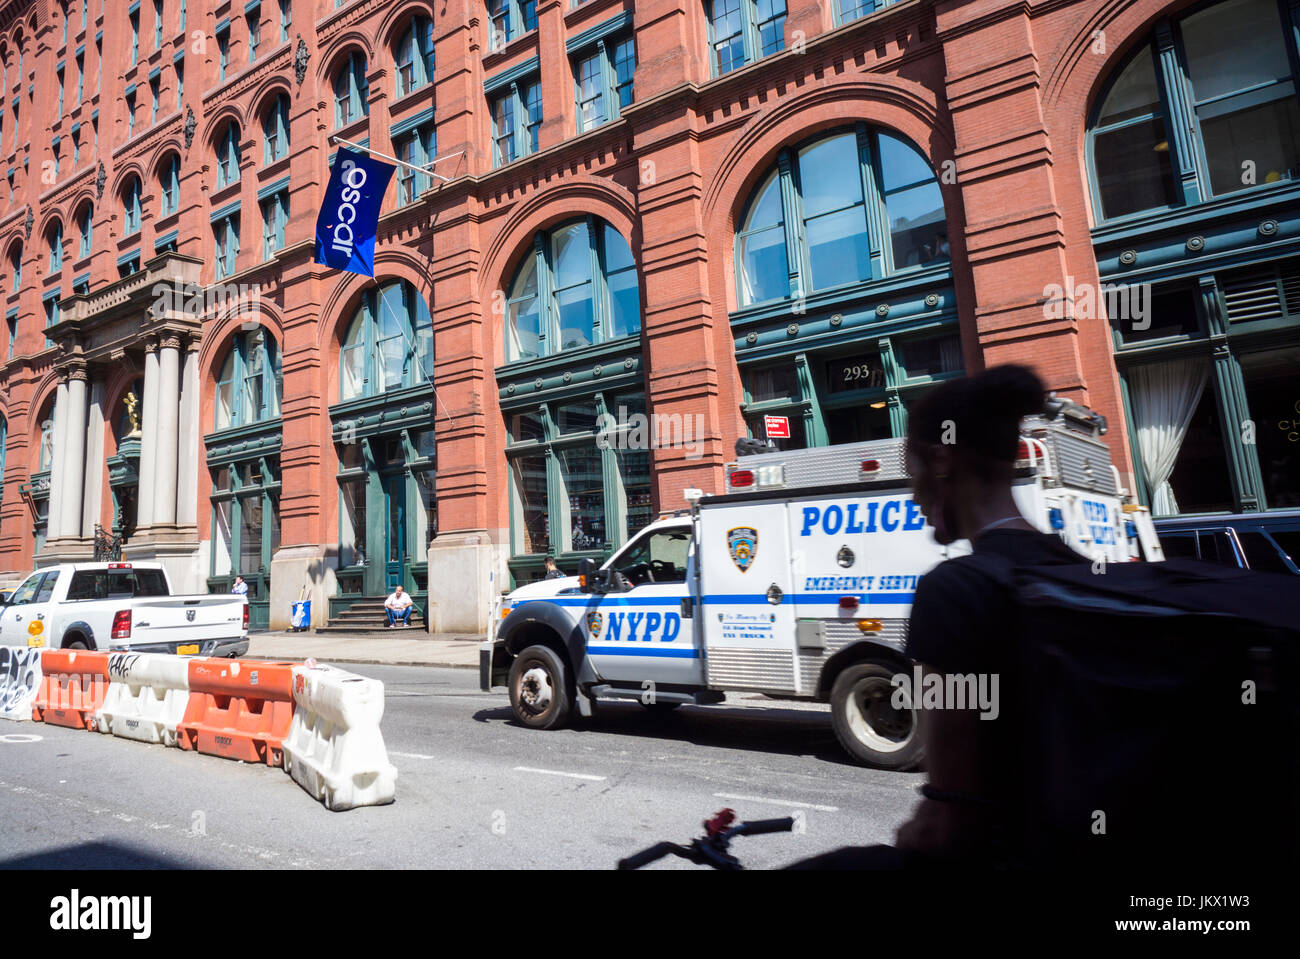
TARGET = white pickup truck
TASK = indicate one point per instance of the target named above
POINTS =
(121, 606)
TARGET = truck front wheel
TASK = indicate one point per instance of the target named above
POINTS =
(539, 688)
(866, 722)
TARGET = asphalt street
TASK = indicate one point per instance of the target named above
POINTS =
(474, 790)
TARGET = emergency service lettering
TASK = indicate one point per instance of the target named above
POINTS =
(1098, 518)
(871, 517)
(643, 626)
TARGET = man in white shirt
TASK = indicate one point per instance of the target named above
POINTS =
(240, 587)
(398, 607)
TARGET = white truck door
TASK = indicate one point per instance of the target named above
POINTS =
(27, 620)
(747, 596)
(642, 634)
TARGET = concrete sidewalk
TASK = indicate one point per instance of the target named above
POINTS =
(406, 647)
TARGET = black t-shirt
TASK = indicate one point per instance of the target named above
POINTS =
(962, 616)
(964, 621)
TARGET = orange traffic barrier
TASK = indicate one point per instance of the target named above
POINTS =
(73, 686)
(239, 709)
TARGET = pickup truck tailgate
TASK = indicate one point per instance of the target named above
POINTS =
(186, 619)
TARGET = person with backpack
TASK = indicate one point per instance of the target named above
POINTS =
(963, 438)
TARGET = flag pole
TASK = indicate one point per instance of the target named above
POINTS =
(425, 170)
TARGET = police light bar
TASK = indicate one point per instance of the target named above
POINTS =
(119, 565)
(760, 477)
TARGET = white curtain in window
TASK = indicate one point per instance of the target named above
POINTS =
(1164, 397)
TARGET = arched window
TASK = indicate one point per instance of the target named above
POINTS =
(840, 184)
(578, 286)
(351, 90)
(415, 56)
(131, 207)
(85, 229)
(228, 155)
(169, 183)
(55, 239)
(275, 127)
(389, 344)
(1230, 66)
(16, 265)
(248, 388)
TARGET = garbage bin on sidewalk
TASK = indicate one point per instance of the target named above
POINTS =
(300, 618)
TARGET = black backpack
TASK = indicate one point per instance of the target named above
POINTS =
(1158, 714)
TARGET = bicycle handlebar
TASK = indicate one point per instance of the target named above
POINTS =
(710, 850)
(647, 856)
(761, 826)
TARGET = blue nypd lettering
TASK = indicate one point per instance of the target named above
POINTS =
(1097, 516)
(871, 517)
(631, 626)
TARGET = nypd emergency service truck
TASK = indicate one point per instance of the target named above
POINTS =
(796, 583)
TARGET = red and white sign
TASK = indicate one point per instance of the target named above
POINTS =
(777, 427)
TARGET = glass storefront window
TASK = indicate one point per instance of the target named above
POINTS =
(426, 514)
(798, 435)
(634, 473)
(1199, 480)
(525, 426)
(530, 487)
(858, 423)
(860, 371)
(1272, 384)
(933, 356)
(353, 548)
(576, 418)
(223, 539)
(250, 534)
(772, 383)
(584, 484)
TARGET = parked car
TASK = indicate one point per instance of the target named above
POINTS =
(1259, 541)
(121, 606)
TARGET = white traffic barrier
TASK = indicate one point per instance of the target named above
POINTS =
(146, 698)
(20, 680)
(334, 749)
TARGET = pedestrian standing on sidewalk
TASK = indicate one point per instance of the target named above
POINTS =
(553, 571)
(240, 587)
(398, 607)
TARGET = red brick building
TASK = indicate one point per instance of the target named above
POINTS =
(704, 211)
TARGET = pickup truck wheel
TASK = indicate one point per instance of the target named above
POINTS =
(866, 723)
(539, 688)
(75, 644)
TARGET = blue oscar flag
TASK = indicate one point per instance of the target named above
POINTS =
(349, 214)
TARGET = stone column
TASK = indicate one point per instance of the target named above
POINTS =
(92, 497)
(74, 456)
(187, 469)
(168, 423)
(53, 521)
(148, 439)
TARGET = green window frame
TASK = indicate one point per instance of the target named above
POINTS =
(508, 19)
(169, 181)
(81, 75)
(418, 147)
(286, 19)
(414, 58)
(55, 237)
(223, 53)
(16, 266)
(60, 75)
(846, 11)
(250, 383)
(179, 67)
(249, 486)
(351, 90)
(225, 231)
(571, 263)
(516, 121)
(228, 158)
(155, 89)
(603, 80)
(157, 23)
(253, 15)
(389, 343)
(131, 207)
(787, 240)
(275, 129)
(275, 215)
(1174, 125)
(742, 31)
(86, 228)
(135, 34)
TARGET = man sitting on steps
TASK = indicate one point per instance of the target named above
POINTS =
(398, 607)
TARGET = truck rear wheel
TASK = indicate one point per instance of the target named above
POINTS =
(866, 723)
(539, 688)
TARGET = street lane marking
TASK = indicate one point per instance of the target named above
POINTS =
(412, 755)
(778, 802)
(552, 772)
(20, 738)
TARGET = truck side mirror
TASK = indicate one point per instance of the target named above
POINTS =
(587, 575)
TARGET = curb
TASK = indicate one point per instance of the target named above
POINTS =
(374, 662)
